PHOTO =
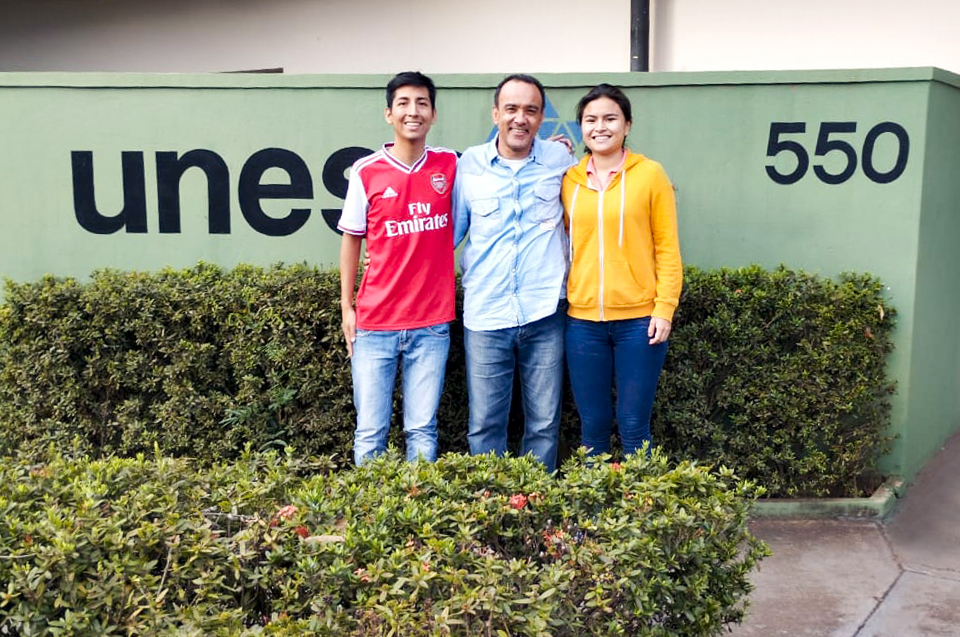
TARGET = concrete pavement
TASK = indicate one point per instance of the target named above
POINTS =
(898, 577)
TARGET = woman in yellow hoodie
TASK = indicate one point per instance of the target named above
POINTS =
(625, 274)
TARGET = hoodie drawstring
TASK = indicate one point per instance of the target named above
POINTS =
(623, 199)
(573, 206)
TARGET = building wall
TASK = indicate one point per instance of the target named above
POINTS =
(84, 184)
(934, 384)
(315, 36)
(457, 36)
(710, 131)
(706, 35)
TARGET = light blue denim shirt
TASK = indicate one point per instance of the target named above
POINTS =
(515, 260)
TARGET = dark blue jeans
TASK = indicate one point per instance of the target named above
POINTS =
(536, 351)
(600, 354)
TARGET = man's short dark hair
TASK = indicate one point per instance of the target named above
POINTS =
(411, 78)
(526, 79)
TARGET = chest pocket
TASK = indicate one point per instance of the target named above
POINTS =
(485, 216)
(547, 201)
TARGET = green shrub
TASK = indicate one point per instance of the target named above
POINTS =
(779, 375)
(466, 546)
(201, 362)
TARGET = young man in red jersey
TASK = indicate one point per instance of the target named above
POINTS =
(399, 200)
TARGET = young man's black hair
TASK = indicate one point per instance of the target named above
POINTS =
(411, 78)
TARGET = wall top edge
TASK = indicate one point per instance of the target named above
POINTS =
(473, 80)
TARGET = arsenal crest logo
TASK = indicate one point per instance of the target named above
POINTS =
(439, 183)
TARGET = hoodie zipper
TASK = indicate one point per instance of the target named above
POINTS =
(600, 235)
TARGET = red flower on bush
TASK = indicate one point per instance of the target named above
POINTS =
(302, 531)
(518, 501)
(615, 466)
(283, 513)
(287, 512)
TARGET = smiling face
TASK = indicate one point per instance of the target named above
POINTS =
(411, 114)
(604, 127)
(518, 114)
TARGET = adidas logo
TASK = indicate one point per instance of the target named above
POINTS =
(389, 193)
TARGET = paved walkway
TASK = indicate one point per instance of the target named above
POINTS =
(865, 578)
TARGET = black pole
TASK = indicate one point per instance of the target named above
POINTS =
(640, 35)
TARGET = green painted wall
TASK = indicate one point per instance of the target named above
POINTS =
(933, 396)
(881, 196)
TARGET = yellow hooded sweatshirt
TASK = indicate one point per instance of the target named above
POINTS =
(624, 248)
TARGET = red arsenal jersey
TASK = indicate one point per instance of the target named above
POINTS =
(405, 214)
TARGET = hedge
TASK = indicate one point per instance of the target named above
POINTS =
(782, 376)
(272, 544)
(779, 375)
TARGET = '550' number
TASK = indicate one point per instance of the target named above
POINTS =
(827, 143)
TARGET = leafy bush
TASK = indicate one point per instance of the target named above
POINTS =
(779, 375)
(200, 362)
(466, 546)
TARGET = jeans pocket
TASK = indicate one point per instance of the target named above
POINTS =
(441, 330)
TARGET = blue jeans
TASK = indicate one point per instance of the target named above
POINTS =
(537, 350)
(600, 354)
(423, 353)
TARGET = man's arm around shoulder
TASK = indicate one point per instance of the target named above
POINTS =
(558, 154)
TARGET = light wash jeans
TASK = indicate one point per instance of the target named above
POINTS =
(376, 354)
(537, 350)
(600, 354)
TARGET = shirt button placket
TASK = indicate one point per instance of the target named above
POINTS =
(517, 231)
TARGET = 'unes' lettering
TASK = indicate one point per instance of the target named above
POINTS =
(251, 191)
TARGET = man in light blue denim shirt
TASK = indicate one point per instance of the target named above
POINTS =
(507, 194)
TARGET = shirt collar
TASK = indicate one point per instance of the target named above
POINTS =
(603, 180)
(413, 167)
